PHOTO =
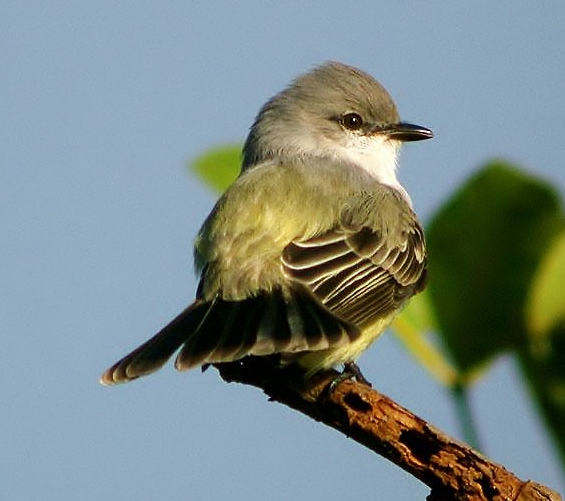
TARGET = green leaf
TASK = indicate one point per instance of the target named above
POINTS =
(544, 368)
(485, 244)
(543, 359)
(219, 167)
(546, 304)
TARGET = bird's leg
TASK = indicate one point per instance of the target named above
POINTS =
(351, 369)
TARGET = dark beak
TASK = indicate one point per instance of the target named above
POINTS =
(403, 131)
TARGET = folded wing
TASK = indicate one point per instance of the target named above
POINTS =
(359, 274)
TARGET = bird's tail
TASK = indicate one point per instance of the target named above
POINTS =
(286, 322)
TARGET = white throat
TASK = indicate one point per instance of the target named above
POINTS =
(378, 156)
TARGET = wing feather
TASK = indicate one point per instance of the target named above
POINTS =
(365, 272)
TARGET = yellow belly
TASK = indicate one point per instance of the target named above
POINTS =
(315, 361)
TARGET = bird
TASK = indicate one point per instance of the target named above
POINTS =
(314, 249)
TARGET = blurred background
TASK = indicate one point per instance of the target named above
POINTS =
(102, 106)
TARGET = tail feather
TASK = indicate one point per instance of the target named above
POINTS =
(224, 333)
(286, 322)
(154, 353)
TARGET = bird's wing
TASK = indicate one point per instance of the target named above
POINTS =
(360, 273)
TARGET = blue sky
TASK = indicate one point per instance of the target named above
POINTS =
(102, 105)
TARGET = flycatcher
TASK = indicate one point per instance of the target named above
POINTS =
(315, 247)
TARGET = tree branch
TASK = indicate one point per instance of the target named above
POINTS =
(452, 470)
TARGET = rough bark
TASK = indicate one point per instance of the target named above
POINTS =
(452, 470)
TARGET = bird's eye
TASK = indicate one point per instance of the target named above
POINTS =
(352, 121)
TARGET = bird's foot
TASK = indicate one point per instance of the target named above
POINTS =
(350, 371)
(353, 370)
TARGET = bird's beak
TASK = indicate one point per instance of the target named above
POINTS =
(403, 131)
